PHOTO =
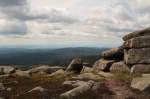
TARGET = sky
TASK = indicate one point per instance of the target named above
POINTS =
(70, 23)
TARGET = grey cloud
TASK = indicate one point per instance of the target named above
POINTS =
(23, 13)
(19, 10)
(11, 3)
(14, 29)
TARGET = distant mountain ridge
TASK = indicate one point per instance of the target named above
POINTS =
(62, 56)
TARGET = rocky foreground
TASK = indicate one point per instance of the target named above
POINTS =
(123, 73)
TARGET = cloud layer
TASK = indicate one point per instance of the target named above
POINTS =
(71, 22)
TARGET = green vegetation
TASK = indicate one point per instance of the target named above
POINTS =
(29, 57)
(121, 76)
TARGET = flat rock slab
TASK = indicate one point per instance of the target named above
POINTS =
(141, 83)
(114, 53)
(105, 74)
(58, 73)
(74, 93)
(76, 83)
(102, 65)
(137, 42)
(119, 67)
(137, 56)
(143, 32)
(7, 69)
(89, 76)
(45, 69)
(22, 73)
(140, 68)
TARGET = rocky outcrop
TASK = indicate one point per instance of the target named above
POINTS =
(119, 67)
(144, 32)
(75, 66)
(89, 76)
(105, 74)
(7, 69)
(21, 73)
(140, 69)
(58, 73)
(138, 42)
(86, 69)
(74, 93)
(137, 56)
(141, 83)
(109, 57)
(113, 54)
(136, 51)
(102, 65)
(45, 69)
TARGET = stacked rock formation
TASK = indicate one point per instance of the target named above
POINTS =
(137, 51)
(133, 56)
(112, 61)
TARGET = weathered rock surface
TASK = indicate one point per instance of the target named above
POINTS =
(45, 69)
(143, 32)
(22, 73)
(115, 53)
(119, 67)
(75, 66)
(2, 87)
(89, 76)
(6, 69)
(86, 69)
(39, 88)
(105, 74)
(76, 83)
(141, 83)
(137, 56)
(138, 42)
(102, 65)
(74, 93)
(140, 68)
(9, 89)
(58, 73)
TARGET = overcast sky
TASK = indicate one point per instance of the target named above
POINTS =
(64, 23)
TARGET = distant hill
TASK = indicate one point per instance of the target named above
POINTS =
(23, 56)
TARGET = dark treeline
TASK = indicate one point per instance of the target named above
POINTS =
(48, 56)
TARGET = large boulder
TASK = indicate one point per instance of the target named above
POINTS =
(75, 66)
(89, 76)
(21, 73)
(143, 32)
(105, 74)
(7, 69)
(119, 67)
(137, 42)
(115, 53)
(140, 68)
(74, 93)
(58, 73)
(86, 69)
(141, 83)
(137, 56)
(45, 69)
(102, 65)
